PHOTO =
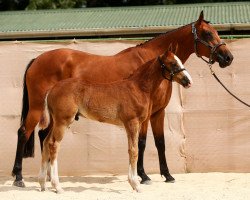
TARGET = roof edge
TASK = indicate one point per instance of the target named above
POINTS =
(110, 32)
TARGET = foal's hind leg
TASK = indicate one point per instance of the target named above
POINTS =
(44, 164)
(132, 129)
(157, 123)
(54, 145)
(42, 135)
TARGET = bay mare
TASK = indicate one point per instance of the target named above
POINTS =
(50, 67)
(126, 103)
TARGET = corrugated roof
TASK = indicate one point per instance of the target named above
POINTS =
(120, 20)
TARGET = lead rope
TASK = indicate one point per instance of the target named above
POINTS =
(216, 77)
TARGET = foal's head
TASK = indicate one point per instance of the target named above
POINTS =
(173, 69)
(208, 43)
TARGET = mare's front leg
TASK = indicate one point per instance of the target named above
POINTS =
(157, 124)
(132, 129)
(142, 145)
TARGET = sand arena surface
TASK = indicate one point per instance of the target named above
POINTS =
(200, 186)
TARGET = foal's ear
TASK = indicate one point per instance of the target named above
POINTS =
(201, 17)
(168, 53)
(176, 48)
(170, 47)
(173, 48)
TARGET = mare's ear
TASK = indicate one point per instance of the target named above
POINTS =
(201, 18)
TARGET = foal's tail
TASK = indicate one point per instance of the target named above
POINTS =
(29, 146)
(45, 119)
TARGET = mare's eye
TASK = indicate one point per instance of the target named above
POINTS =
(207, 35)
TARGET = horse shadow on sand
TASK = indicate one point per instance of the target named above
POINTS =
(6, 184)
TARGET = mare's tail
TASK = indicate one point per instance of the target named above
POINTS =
(29, 146)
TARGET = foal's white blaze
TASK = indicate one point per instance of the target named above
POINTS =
(182, 67)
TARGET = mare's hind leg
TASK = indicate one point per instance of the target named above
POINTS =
(54, 145)
(42, 135)
(24, 133)
(132, 129)
(157, 123)
(142, 145)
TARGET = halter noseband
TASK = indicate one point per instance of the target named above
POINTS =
(171, 73)
(212, 48)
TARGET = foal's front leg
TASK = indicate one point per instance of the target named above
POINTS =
(157, 124)
(132, 129)
(142, 145)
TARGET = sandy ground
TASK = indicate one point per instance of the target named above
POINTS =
(233, 186)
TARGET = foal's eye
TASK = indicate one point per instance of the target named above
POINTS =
(174, 67)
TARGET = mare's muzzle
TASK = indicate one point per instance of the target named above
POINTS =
(224, 58)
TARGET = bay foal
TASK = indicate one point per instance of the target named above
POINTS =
(126, 103)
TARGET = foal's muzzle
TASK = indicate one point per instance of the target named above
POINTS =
(185, 82)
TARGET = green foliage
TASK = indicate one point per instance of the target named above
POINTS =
(54, 4)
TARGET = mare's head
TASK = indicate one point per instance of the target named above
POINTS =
(208, 43)
(173, 69)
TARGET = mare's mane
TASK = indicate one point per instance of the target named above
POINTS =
(162, 35)
(166, 33)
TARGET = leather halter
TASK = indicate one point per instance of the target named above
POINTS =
(212, 48)
(171, 73)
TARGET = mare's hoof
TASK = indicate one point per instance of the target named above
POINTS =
(146, 182)
(19, 183)
(169, 179)
(145, 179)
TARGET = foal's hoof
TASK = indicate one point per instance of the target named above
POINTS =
(138, 189)
(44, 189)
(169, 179)
(19, 183)
(59, 191)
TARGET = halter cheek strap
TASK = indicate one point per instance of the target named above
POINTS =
(212, 48)
(165, 69)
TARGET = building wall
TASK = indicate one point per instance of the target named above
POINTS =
(205, 128)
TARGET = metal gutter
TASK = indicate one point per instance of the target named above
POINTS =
(108, 32)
